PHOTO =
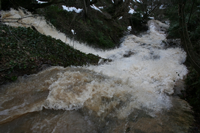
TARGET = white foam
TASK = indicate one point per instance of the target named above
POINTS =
(83, 88)
(141, 79)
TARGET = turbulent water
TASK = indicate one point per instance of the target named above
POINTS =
(133, 93)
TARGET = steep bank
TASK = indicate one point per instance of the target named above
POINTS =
(25, 51)
(104, 26)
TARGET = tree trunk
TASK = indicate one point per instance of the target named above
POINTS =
(86, 7)
(185, 40)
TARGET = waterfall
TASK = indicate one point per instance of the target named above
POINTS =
(131, 93)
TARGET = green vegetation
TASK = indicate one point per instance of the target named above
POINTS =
(193, 83)
(188, 11)
(97, 29)
(25, 51)
(192, 95)
(138, 23)
(94, 30)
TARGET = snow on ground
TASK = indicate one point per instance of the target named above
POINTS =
(162, 7)
(71, 9)
(129, 28)
(40, 1)
(137, 1)
(95, 8)
(73, 32)
(120, 17)
(131, 11)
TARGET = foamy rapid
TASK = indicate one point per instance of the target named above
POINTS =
(79, 88)
(141, 76)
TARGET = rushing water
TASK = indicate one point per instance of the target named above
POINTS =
(133, 93)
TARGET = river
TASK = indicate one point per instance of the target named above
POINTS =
(131, 94)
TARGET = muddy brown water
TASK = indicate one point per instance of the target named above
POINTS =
(132, 94)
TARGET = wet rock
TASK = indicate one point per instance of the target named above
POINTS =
(156, 57)
(171, 43)
(179, 87)
(143, 44)
(153, 55)
(44, 66)
(128, 54)
(103, 61)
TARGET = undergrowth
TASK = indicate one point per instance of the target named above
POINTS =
(93, 30)
(192, 96)
(193, 89)
(25, 51)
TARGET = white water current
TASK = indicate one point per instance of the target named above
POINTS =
(141, 78)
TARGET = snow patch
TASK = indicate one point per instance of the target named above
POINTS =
(129, 28)
(95, 8)
(162, 7)
(73, 32)
(137, 1)
(131, 11)
(71, 9)
(152, 18)
(120, 17)
(41, 2)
